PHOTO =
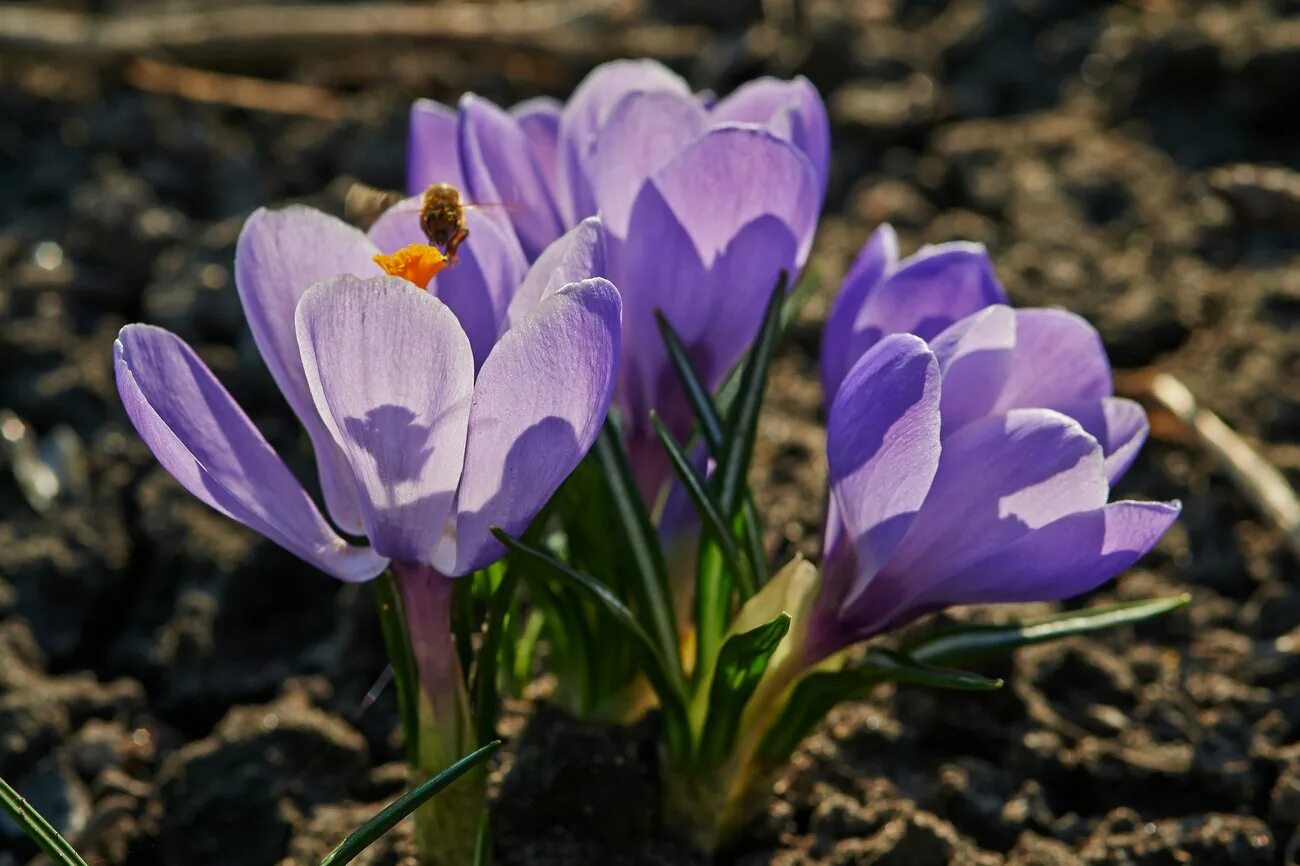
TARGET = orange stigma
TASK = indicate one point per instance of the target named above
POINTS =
(416, 263)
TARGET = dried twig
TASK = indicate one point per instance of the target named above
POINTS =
(255, 29)
(240, 91)
(1257, 478)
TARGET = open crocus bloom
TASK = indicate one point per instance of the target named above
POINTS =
(704, 203)
(976, 469)
(435, 414)
(922, 294)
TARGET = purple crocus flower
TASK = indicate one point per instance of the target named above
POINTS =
(976, 469)
(434, 414)
(704, 203)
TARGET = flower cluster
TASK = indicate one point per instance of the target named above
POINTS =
(640, 252)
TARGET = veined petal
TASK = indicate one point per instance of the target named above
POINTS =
(279, 255)
(1065, 558)
(478, 289)
(1120, 426)
(975, 357)
(539, 118)
(644, 131)
(927, 293)
(539, 402)
(1059, 360)
(201, 436)
(882, 445)
(998, 479)
(879, 257)
(392, 373)
(793, 109)
(432, 149)
(499, 168)
(586, 113)
(577, 256)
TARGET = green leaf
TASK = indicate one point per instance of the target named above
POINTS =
(484, 688)
(799, 297)
(37, 828)
(968, 642)
(649, 587)
(665, 674)
(392, 621)
(388, 817)
(819, 692)
(741, 664)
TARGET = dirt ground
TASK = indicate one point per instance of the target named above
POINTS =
(175, 690)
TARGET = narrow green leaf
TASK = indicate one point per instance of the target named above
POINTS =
(742, 662)
(968, 642)
(800, 295)
(484, 688)
(819, 692)
(742, 419)
(483, 844)
(665, 674)
(37, 828)
(397, 641)
(389, 816)
(650, 585)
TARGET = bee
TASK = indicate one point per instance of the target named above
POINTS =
(441, 213)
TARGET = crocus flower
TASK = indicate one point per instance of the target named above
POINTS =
(976, 469)
(704, 203)
(435, 414)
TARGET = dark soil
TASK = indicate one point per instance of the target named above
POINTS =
(174, 690)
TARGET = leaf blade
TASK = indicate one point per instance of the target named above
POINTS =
(742, 661)
(38, 829)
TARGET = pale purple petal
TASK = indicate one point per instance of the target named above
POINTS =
(433, 149)
(879, 256)
(586, 113)
(882, 446)
(392, 374)
(479, 287)
(577, 256)
(539, 402)
(279, 255)
(201, 436)
(927, 293)
(1059, 360)
(998, 479)
(644, 131)
(539, 118)
(1065, 558)
(499, 168)
(975, 357)
(1120, 426)
(793, 109)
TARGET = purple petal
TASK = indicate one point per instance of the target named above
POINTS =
(927, 293)
(882, 446)
(793, 109)
(644, 131)
(478, 288)
(586, 113)
(392, 374)
(539, 118)
(433, 149)
(539, 402)
(577, 256)
(998, 478)
(975, 357)
(879, 256)
(499, 168)
(1059, 360)
(280, 254)
(1120, 426)
(1065, 558)
(201, 436)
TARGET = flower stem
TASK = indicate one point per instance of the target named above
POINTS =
(447, 826)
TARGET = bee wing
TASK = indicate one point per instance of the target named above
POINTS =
(363, 205)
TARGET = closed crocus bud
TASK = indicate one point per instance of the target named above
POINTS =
(976, 469)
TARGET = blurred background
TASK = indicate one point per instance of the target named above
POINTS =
(174, 690)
